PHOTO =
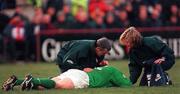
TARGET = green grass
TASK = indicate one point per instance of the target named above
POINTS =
(50, 69)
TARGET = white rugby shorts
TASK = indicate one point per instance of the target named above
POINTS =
(79, 78)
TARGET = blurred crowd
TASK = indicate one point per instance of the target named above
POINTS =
(84, 14)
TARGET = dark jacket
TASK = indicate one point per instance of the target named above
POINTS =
(143, 55)
(78, 54)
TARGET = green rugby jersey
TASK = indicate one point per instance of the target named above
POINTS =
(107, 77)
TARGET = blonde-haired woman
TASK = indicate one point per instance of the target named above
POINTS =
(145, 52)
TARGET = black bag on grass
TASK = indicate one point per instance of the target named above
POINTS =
(158, 77)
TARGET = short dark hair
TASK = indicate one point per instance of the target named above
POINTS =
(104, 43)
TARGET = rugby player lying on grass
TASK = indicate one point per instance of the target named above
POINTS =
(99, 77)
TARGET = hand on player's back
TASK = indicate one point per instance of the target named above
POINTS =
(87, 69)
(103, 63)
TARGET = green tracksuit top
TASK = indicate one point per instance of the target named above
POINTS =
(107, 77)
(145, 54)
(79, 54)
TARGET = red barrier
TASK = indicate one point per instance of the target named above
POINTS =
(141, 29)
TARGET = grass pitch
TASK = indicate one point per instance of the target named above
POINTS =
(50, 70)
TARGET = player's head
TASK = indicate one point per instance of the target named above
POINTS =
(103, 46)
(130, 37)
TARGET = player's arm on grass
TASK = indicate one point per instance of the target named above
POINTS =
(119, 79)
